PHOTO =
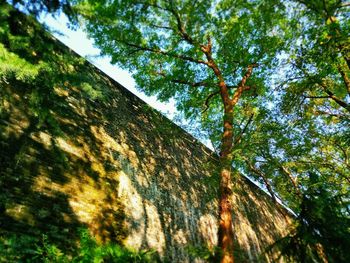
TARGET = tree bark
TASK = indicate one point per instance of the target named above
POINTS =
(225, 191)
(225, 233)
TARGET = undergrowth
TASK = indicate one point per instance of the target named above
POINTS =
(28, 249)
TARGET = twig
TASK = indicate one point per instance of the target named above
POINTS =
(239, 137)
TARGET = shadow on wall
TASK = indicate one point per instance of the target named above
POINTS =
(77, 150)
(52, 177)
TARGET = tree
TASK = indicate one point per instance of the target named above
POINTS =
(211, 56)
(215, 58)
(301, 150)
(320, 65)
(321, 232)
(37, 7)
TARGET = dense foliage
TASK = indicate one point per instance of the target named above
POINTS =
(23, 248)
(38, 7)
(286, 67)
(212, 57)
(290, 123)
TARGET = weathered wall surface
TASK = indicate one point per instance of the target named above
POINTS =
(78, 150)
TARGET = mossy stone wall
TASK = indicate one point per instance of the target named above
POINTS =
(79, 150)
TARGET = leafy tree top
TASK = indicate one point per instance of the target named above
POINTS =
(163, 43)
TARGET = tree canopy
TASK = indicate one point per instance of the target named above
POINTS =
(268, 80)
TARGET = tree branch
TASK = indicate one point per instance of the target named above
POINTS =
(239, 137)
(316, 97)
(154, 5)
(344, 151)
(345, 4)
(241, 86)
(163, 52)
(292, 180)
(193, 84)
(345, 78)
(262, 175)
(161, 27)
(180, 25)
(206, 103)
(225, 96)
(335, 98)
(331, 95)
(338, 115)
(184, 82)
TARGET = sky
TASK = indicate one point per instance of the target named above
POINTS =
(78, 41)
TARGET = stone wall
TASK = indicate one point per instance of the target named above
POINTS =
(79, 150)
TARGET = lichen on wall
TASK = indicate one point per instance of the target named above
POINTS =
(78, 150)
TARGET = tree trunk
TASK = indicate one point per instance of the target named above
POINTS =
(225, 234)
(225, 191)
(225, 195)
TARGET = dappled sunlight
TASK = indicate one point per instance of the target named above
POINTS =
(70, 148)
(21, 213)
(180, 237)
(134, 185)
(258, 223)
(17, 121)
(154, 232)
(248, 239)
(100, 158)
(209, 228)
(134, 210)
